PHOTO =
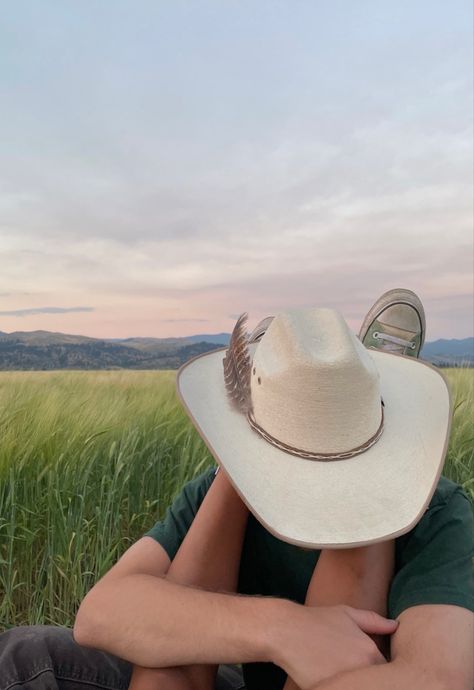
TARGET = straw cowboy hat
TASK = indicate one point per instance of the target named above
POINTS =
(329, 444)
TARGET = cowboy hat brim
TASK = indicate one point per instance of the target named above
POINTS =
(377, 495)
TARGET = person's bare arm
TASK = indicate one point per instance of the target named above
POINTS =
(431, 650)
(359, 577)
(208, 558)
(135, 613)
(146, 557)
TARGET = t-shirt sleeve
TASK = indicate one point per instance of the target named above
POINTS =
(435, 563)
(171, 530)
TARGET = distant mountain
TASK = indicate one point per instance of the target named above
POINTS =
(45, 338)
(219, 338)
(159, 344)
(44, 350)
(41, 350)
(450, 352)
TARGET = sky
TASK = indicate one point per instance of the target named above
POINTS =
(166, 166)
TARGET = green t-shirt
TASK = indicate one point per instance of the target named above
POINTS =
(432, 562)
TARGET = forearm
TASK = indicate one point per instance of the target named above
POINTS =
(208, 558)
(358, 577)
(153, 622)
(391, 676)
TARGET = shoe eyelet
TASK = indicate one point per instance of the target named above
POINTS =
(375, 335)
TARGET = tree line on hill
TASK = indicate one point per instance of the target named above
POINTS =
(95, 355)
(43, 350)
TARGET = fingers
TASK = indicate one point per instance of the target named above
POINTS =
(371, 622)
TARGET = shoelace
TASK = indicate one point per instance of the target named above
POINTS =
(393, 339)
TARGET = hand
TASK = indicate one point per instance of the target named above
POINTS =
(314, 643)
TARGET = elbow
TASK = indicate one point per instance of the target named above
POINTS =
(81, 632)
(88, 624)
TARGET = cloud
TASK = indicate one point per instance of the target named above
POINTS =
(184, 320)
(296, 182)
(14, 294)
(44, 310)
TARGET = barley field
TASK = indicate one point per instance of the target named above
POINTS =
(90, 460)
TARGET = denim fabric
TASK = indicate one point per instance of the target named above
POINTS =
(45, 657)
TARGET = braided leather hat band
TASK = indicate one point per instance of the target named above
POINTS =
(323, 457)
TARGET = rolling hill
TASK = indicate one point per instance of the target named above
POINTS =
(45, 350)
(449, 352)
(41, 350)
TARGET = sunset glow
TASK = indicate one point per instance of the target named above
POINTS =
(167, 166)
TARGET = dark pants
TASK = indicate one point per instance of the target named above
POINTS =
(45, 657)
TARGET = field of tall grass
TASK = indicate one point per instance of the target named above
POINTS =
(90, 460)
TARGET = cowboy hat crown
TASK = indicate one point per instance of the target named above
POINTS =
(313, 384)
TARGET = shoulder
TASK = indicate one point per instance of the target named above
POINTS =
(449, 503)
(194, 491)
(450, 508)
(171, 530)
(444, 492)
